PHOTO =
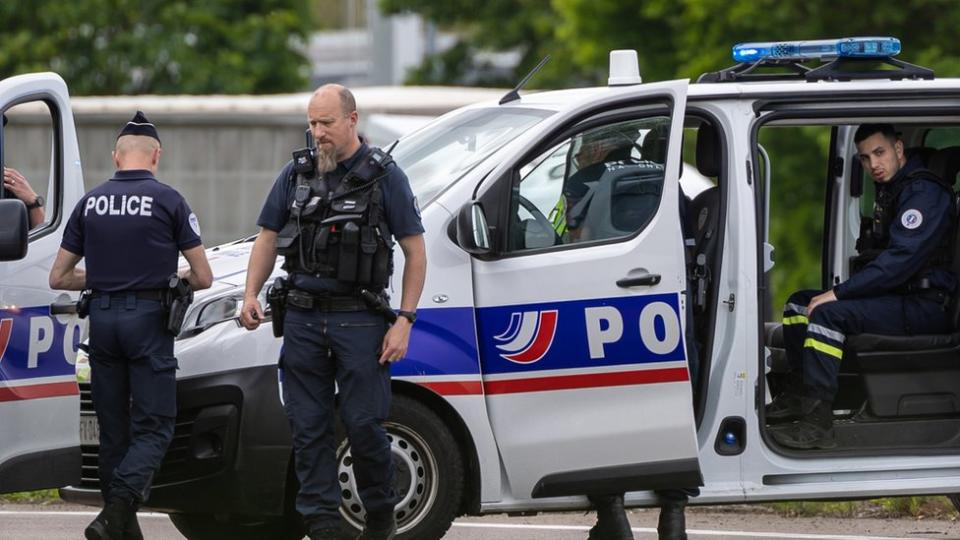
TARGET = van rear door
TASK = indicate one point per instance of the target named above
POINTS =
(39, 398)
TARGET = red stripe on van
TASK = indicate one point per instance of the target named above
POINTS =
(559, 382)
(36, 391)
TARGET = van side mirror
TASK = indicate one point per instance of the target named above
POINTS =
(13, 230)
(473, 235)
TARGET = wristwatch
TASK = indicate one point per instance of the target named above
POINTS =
(37, 203)
(408, 315)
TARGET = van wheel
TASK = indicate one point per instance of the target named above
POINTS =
(428, 473)
(955, 499)
(209, 527)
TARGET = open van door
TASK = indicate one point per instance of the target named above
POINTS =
(39, 397)
(579, 296)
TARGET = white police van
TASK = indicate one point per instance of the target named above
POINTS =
(565, 311)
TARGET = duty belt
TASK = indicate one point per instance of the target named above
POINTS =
(306, 301)
(142, 294)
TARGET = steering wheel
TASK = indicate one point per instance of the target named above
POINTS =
(541, 220)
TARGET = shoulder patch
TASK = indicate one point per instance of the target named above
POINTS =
(911, 219)
(194, 223)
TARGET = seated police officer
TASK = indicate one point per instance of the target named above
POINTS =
(901, 289)
(333, 214)
(130, 230)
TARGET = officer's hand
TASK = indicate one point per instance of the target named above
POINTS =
(395, 342)
(251, 313)
(17, 184)
(820, 299)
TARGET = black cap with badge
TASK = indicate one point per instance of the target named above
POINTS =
(139, 125)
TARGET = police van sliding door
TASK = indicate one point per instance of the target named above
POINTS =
(39, 403)
(580, 315)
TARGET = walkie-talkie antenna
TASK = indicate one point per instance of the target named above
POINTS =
(514, 94)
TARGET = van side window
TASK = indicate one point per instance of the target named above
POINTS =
(602, 183)
(30, 161)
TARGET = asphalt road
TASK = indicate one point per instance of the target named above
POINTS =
(730, 523)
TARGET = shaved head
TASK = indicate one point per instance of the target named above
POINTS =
(347, 102)
(136, 152)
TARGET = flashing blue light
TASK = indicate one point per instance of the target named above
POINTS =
(822, 49)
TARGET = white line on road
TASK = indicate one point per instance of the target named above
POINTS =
(690, 532)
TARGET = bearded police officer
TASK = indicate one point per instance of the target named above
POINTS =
(130, 230)
(902, 286)
(333, 213)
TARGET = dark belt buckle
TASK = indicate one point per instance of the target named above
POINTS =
(300, 299)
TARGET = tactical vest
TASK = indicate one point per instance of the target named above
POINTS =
(340, 231)
(876, 238)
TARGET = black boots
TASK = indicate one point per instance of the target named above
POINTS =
(379, 526)
(117, 521)
(672, 523)
(612, 521)
(813, 430)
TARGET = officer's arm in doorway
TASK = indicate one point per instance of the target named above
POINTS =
(17, 184)
(65, 275)
(414, 272)
(262, 258)
(199, 275)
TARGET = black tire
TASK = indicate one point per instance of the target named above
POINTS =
(208, 527)
(955, 500)
(428, 473)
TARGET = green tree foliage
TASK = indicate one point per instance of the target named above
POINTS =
(107, 47)
(682, 39)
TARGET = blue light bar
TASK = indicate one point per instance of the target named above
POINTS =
(821, 49)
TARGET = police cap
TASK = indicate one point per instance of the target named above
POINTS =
(139, 125)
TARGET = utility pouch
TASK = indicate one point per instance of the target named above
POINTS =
(277, 300)
(287, 239)
(321, 240)
(349, 247)
(179, 297)
(368, 250)
(83, 304)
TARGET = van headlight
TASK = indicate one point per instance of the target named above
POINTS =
(217, 309)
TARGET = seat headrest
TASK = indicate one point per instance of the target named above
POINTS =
(708, 150)
(945, 163)
(655, 146)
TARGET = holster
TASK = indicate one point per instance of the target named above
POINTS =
(379, 304)
(277, 300)
(83, 304)
(179, 296)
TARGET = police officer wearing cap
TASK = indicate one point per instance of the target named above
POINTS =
(130, 230)
(901, 289)
(333, 214)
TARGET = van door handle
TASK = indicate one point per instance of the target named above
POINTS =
(644, 279)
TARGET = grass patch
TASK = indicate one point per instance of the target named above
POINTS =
(891, 507)
(44, 496)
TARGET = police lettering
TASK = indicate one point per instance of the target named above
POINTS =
(123, 205)
(605, 325)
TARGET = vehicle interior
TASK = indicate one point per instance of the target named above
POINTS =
(896, 393)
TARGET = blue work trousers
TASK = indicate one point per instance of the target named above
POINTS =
(814, 343)
(133, 382)
(320, 348)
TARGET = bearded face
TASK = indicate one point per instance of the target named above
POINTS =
(326, 158)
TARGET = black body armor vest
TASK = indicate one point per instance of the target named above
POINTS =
(876, 236)
(340, 231)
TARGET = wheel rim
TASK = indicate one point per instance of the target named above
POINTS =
(415, 479)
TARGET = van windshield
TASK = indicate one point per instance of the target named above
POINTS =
(434, 157)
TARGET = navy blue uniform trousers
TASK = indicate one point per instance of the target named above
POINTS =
(814, 343)
(133, 381)
(320, 348)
